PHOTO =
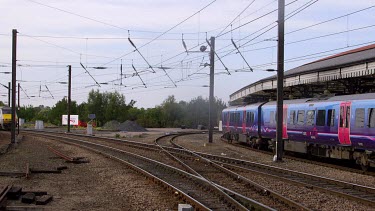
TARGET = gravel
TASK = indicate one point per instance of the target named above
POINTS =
(312, 199)
(102, 184)
(200, 143)
(85, 182)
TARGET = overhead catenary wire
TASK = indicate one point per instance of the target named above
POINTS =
(162, 34)
(230, 24)
(293, 13)
(90, 75)
(238, 50)
(294, 59)
(218, 57)
(91, 19)
(136, 49)
(49, 91)
(230, 71)
(136, 73)
(24, 92)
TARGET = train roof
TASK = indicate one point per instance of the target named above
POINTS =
(367, 96)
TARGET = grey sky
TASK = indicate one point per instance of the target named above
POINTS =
(44, 59)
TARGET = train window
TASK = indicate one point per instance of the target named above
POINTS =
(237, 117)
(360, 117)
(292, 118)
(321, 118)
(266, 120)
(7, 111)
(347, 119)
(331, 118)
(341, 116)
(250, 117)
(310, 117)
(300, 117)
(272, 117)
(371, 117)
(231, 119)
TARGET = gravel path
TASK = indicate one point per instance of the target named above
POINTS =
(102, 184)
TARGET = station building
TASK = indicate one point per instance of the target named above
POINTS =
(350, 72)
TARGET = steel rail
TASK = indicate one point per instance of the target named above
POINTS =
(320, 163)
(349, 190)
(247, 202)
(208, 193)
(356, 192)
(257, 187)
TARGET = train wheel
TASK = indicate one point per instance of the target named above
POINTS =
(365, 167)
(364, 162)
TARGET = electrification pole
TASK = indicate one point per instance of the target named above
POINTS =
(211, 98)
(69, 94)
(9, 90)
(14, 68)
(280, 82)
(18, 109)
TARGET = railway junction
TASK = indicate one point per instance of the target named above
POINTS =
(161, 172)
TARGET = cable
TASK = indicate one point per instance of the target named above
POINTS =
(162, 34)
(247, 7)
(92, 19)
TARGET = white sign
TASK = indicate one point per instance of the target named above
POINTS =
(73, 120)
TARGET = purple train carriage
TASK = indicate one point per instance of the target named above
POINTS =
(340, 127)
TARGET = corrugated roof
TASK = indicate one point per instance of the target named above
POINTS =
(351, 57)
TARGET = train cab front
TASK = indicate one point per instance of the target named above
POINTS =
(7, 121)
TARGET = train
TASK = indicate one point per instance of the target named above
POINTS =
(5, 118)
(338, 127)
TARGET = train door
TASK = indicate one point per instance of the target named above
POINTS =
(285, 121)
(228, 120)
(344, 123)
(244, 120)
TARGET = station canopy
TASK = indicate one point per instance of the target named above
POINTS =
(350, 72)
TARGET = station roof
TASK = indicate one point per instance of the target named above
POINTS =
(359, 62)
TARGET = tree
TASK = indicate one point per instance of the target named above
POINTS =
(61, 108)
(95, 105)
(172, 112)
(109, 106)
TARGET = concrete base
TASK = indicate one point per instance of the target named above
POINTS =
(275, 159)
(185, 207)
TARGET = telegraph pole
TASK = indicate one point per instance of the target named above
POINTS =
(69, 94)
(280, 81)
(9, 88)
(211, 98)
(18, 118)
(14, 69)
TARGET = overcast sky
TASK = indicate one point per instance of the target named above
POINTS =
(54, 34)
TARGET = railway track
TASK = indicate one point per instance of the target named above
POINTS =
(304, 160)
(231, 180)
(201, 193)
(360, 193)
(351, 191)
